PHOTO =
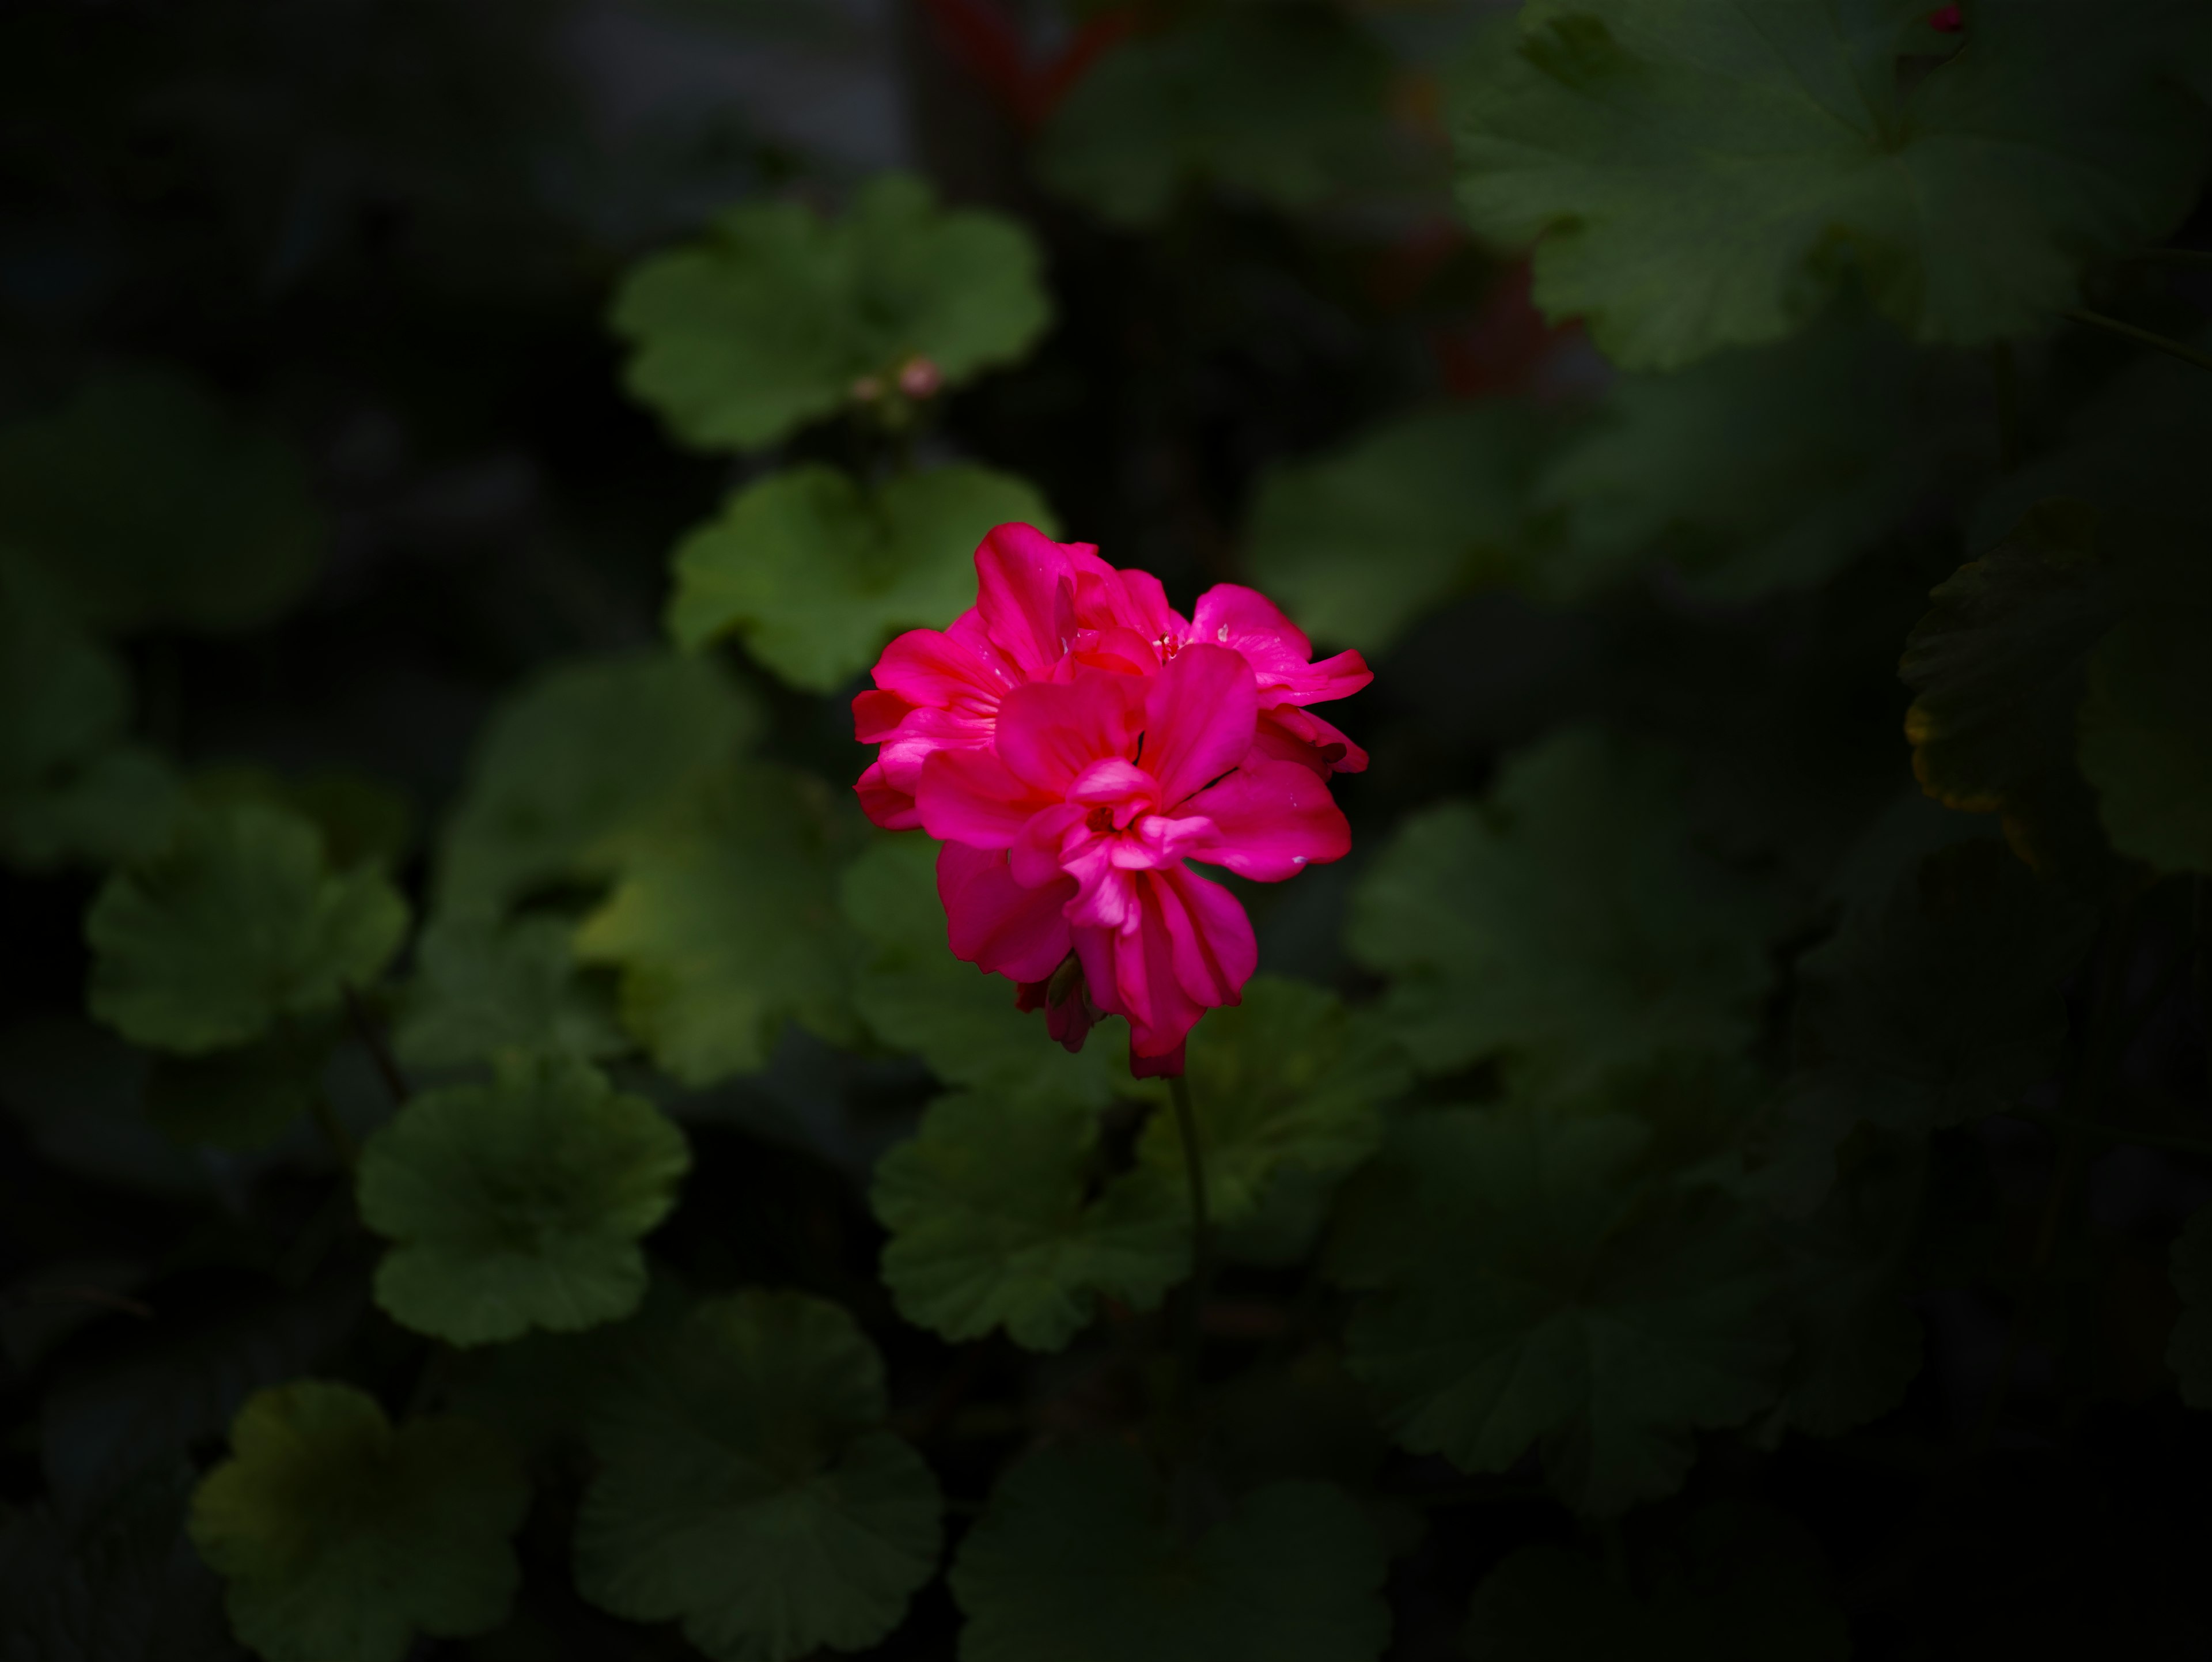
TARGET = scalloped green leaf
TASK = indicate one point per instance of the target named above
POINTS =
(519, 1204)
(1538, 1286)
(1705, 176)
(815, 573)
(1078, 1556)
(72, 786)
(1936, 1003)
(1736, 1582)
(153, 507)
(1281, 103)
(364, 821)
(991, 1224)
(1998, 666)
(725, 926)
(746, 1489)
(578, 766)
(914, 995)
(245, 1097)
(237, 923)
(2189, 1352)
(341, 1537)
(767, 323)
(481, 988)
(1567, 922)
(1357, 545)
(1285, 1084)
(1752, 473)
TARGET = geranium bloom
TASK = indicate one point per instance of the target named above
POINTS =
(1044, 609)
(1073, 740)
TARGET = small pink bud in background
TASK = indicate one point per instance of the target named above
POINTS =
(866, 390)
(918, 378)
(1947, 20)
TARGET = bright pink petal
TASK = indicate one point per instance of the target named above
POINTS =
(1048, 735)
(1214, 951)
(876, 715)
(1035, 853)
(1200, 715)
(935, 672)
(1116, 782)
(1244, 620)
(1025, 595)
(1130, 599)
(1270, 821)
(884, 803)
(921, 735)
(995, 923)
(1287, 733)
(1169, 1064)
(1118, 648)
(1332, 678)
(969, 796)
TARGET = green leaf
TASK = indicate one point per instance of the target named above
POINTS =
(576, 767)
(1704, 177)
(242, 1099)
(363, 821)
(1539, 1287)
(2189, 1353)
(1286, 1082)
(2145, 728)
(152, 506)
(726, 927)
(1753, 471)
(768, 323)
(1938, 1002)
(72, 787)
(237, 923)
(1285, 103)
(1736, 1582)
(1998, 664)
(1568, 921)
(1077, 1558)
(519, 1203)
(1357, 544)
(816, 574)
(746, 1487)
(916, 995)
(990, 1225)
(481, 988)
(121, 1585)
(341, 1538)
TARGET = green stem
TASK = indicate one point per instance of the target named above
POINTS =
(1201, 1229)
(2142, 336)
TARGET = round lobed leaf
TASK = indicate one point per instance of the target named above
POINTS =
(768, 323)
(482, 988)
(745, 1486)
(816, 574)
(990, 1225)
(1076, 1558)
(238, 922)
(341, 1537)
(519, 1203)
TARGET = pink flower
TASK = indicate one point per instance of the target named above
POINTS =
(1066, 832)
(1045, 610)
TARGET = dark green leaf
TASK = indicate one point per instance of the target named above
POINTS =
(1705, 177)
(2145, 728)
(1359, 544)
(482, 988)
(245, 1097)
(363, 821)
(815, 573)
(1282, 103)
(771, 321)
(745, 1486)
(1077, 1558)
(340, 1537)
(1567, 922)
(520, 1203)
(1735, 1583)
(236, 925)
(991, 1223)
(725, 926)
(154, 508)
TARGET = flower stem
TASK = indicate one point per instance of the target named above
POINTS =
(1201, 1230)
(2144, 337)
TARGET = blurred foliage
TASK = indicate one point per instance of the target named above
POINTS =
(497, 1162)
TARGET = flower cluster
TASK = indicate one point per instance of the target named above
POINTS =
(1072, 740)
